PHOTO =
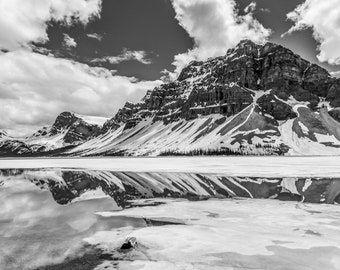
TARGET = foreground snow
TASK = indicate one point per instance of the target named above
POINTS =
(229, 234)
(231, 166)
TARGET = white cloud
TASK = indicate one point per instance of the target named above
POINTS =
(69, 42)
(215, 27)
(324, 19)
(22, 22)
(336, 74)
(95, 36)
(266, 10)
(35, 88)
(251, 7)
(126, 55)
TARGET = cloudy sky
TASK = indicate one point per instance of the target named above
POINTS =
(91, 56)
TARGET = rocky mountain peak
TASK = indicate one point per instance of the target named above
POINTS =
(227, 84)
(64, 121)
(3, 134)
(260, 96)
(72, 127)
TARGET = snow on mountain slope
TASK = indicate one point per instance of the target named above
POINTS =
(93, 120)
(256, 99)
(248, 132)
(3, 134)
(68, 129)
(48, 140)
(311, 133)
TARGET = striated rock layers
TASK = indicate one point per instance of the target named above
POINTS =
(227, 84)
(256, 99)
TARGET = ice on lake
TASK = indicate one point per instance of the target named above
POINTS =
(72, 218)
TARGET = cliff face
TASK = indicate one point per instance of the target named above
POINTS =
(69, 129)
(256, 99)
(74, 129)
(227, 84)
(3, 134)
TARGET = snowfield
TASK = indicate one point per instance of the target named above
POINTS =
(50, 216)
(306, 166)
(228, 234)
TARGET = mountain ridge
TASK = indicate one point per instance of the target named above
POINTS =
(256, 99)
(69, 129)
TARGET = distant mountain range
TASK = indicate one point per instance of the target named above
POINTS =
(69, 129)
(255, 100)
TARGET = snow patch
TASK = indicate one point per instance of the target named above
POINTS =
(93, 120)
(91, 195)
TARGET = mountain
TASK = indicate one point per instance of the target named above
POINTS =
(68, 130)
(256, 99)
(10, 146)
(3, 134)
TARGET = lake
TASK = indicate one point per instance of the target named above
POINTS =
(186, 213)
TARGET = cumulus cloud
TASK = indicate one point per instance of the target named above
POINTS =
(69, 42)
(22, 22)
(251, 7)
(95, 36)
(323, 17)
(126, 55)
(35, 88)
(215, 27)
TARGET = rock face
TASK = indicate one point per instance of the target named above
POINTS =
(256, 99)
(69, 129)
(74, 129)
(248, 100)
(130, 243)
(3, 134)
(226, 85)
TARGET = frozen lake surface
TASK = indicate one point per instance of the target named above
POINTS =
(231, 234)
(316, 166)
(186, 213)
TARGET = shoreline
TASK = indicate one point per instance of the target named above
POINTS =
(246, 166)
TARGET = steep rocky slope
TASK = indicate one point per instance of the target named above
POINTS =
(69, 129)
(257, 99)
(3, 134)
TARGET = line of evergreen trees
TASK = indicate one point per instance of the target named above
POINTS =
(242, 150)
(202, 152)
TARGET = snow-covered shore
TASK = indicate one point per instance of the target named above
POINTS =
(310, 166)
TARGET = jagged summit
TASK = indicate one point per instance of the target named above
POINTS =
(69, 129)
(256, 99)
(220, 85)
(3, 134)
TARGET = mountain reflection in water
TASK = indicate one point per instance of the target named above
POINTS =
(45, 215)
(69, 186)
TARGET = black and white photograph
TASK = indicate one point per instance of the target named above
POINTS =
(169, 134)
